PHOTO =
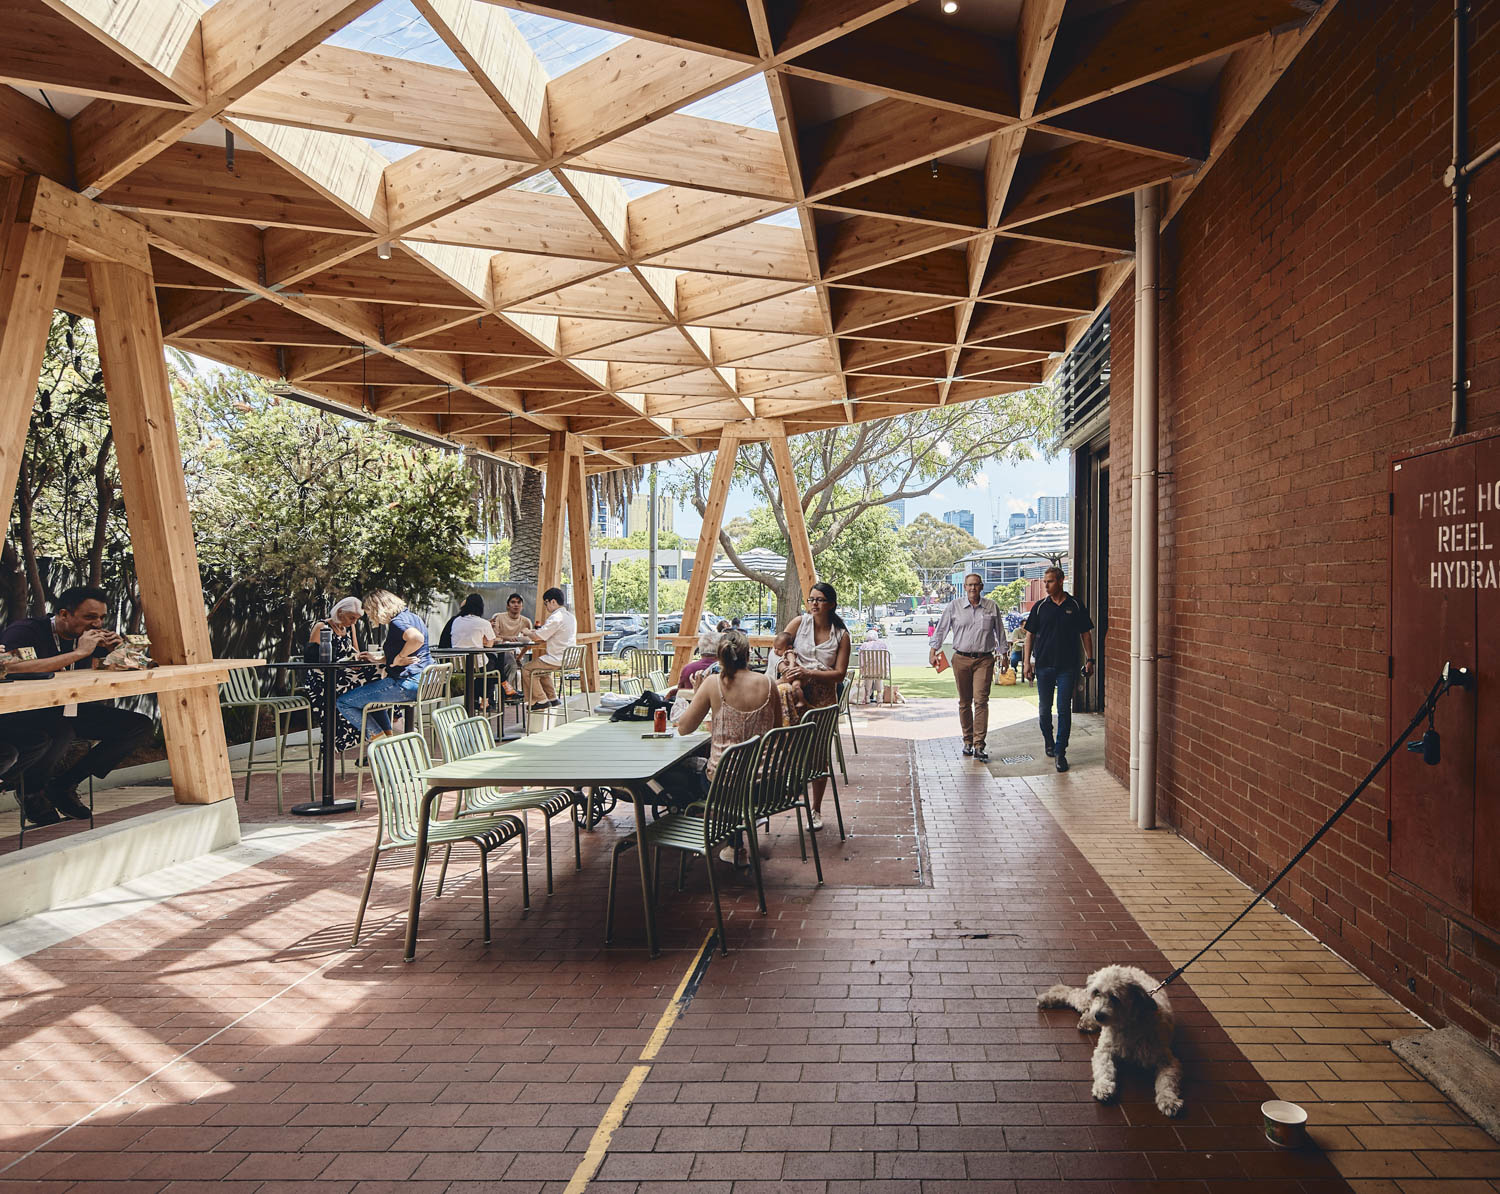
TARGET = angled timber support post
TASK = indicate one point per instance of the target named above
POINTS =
(583, 576)
(554, 508)
(791, 501)
(708, 538)
(161, 529)
(31, 264)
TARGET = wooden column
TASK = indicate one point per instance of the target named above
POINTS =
(708, 538)
(31, 263)
(578, 546)
(554, 506)
(131, 352)
(791, 501)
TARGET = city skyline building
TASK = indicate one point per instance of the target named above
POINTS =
(963, 519)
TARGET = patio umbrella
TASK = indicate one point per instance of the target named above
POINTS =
(762, 559)
(1050, 541)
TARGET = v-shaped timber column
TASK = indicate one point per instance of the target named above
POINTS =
(565, 497)
(40, 224)
(708, 539)
(796, 523)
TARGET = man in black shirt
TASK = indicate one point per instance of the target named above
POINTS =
(73, 637)
(1053, 629)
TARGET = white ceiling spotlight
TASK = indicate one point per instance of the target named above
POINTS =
(383, 250)
(950, 6)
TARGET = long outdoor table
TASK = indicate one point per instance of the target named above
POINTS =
(592, 753)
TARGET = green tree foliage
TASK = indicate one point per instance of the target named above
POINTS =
(640, 541)
(628, 581)
(293, 507)
(935, 547)
(1006, 595)
(866, 559)
(845, 471)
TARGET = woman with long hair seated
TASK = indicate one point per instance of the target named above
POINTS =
(743, 704)
(819, 663)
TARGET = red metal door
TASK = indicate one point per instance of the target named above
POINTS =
(1433, 620)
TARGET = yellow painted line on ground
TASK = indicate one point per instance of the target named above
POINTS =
(614, 1116)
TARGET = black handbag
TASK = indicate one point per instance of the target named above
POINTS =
(643, 708)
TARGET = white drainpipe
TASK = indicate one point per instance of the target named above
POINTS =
(1144, 485)
(1135, 545)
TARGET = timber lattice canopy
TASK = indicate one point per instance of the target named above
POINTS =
(778, 214)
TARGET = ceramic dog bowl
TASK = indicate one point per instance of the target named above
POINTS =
(1285, 1123)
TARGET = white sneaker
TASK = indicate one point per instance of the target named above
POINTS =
(727, 855)
(815, 821)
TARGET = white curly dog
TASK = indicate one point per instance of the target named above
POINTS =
(1133, 1025)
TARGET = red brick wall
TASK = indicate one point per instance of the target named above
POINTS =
(1305, 340)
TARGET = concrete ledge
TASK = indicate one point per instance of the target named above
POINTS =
(54, 873)
(1461, 1068)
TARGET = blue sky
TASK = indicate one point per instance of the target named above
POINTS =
(1011, 486)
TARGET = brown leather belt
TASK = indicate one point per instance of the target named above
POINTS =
(976, 654)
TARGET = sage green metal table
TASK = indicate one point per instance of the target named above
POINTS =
(593, 753)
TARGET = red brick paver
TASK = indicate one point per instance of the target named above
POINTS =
(877, 1034)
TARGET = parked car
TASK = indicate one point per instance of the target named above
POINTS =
(671, 624)
(618, 626)
(915, 624)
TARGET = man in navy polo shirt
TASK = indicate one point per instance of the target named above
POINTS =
(1054, 629)
(73, 637)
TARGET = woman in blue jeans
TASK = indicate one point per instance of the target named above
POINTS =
(405, 656)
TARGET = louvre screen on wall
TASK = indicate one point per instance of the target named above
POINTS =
(1082, 383)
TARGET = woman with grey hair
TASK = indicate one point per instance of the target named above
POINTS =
(341, 620)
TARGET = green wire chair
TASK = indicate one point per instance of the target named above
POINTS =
(782, 788)
(726, 809)
(639, 662)
(397, 764)
(846, 687)
(470, 735)
(820, 757)
(242, 690)
(657, 681)
(432, 691)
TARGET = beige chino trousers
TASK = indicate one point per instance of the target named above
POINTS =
(974, 677)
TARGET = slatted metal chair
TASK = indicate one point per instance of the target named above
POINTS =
(639, 662)
(656, 681)
(820, 757)
(444, 718)
(432, 690)
(725, 811)
(470, 735)
(397, 764)
(575, 670)
(781, 787)
(846, 687)
(632, 685)
(242, 690)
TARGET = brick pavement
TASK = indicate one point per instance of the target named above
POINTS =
(860, 1037)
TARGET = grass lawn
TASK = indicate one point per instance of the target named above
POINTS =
(924, 682)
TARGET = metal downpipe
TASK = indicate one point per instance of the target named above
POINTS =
(1145, 462)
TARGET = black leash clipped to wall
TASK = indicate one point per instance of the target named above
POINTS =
(1429, 746)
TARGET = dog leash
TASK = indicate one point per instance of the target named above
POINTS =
(1452, 677)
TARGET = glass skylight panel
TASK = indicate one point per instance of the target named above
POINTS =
(396, 29)
(543, 182)
(745, 103)
(783, 219)
(562, 45)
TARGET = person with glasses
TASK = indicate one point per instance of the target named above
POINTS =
(978, 633)
(818, 664)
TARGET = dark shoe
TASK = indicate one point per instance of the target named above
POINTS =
(39, 812)
(65, 801)
(968, 750)
(1050, 749)
(554, 703)
(980, 756)
(1062, 761)
(540, 707)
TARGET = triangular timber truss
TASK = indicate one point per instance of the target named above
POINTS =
(937, 205)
